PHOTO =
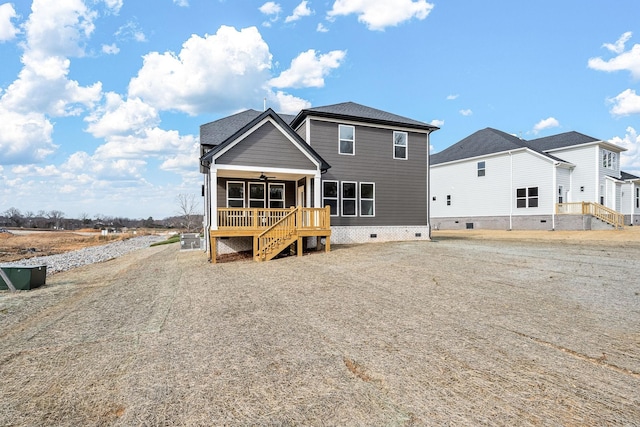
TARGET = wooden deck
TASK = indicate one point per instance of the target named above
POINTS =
(272, 230)
(610, 216)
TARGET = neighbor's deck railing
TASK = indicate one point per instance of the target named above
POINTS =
(263, 218)
(604, 213)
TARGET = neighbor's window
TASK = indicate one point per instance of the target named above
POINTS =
(609, 160)
(481, 168)
(637, 197)
(527, 197)
(256, 195)
(235, 194)
(276, 196)
(347, 139)
(448, 199)
(349, 199)
(367, 199)
(400, 146)
(330, 196)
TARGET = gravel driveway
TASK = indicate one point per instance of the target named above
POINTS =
(449, 332)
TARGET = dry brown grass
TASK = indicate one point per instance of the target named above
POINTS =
(459, 331)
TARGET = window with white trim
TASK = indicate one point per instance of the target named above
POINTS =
(349, 199)
(527, 197)
(637, 197)
(560, 194)
(276, 196)
(609, 159)
(367, 199)
(235, 194)
(346, 139)
(481, 168)
(400, 145)
(330, 196)
(448, 199)
(256, 195)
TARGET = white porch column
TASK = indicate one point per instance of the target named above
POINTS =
(317, 191)
(214, 199)
(307, 189)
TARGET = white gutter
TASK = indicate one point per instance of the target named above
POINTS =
(553, 195)
(511, 192)
(428, 186)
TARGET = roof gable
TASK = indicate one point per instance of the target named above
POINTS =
(481, 143)
(226, 132)
(362, 113)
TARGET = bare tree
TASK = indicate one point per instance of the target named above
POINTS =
(55, 217)
(14, 215)
(187, 209)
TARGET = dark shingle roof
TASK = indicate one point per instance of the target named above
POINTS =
(480, 143)
(361, 113)
(218, 131)
(561, 140)
(627, 176)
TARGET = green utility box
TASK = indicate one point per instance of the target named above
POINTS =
(24, 277)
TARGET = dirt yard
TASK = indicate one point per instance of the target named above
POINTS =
(473, 328)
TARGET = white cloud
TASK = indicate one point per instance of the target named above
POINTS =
(287, 104)
(114, 6)
(300, 11)
(321, 28)
(154, 142)
(181, 3)
(24, 138)
(626, 103)
(118, 117)
(223, 71)
(630, 159)
(452, 97)
(466, 112)
(110, 49)
(626, 60)
(618, 46)
(547, 123)
(8, 31)
(270, 8)
(379, 14)
(131, 31)
(437, 122)
(308, 69)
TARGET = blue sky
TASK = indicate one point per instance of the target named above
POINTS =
(101, 100)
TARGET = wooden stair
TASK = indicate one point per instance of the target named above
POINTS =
(272, 241)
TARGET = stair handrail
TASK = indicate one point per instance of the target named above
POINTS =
(607, 215)
(280, 230)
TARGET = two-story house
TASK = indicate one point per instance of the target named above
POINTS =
(345, 173)
(494, 180)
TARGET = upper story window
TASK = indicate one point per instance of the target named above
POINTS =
(400, 145)
(609, 160)
(346, 139)
(481, 168)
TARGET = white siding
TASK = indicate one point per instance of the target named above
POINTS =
(495, 193)
(585, 181)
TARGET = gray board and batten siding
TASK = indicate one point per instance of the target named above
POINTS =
(400, 185)
(264, 148)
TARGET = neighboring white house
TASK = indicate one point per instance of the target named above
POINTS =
(494, 180)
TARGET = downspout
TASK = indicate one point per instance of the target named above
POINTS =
(511, 191)
(428, 185)
(553, 195)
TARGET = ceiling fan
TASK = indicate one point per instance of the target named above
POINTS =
(263, 177)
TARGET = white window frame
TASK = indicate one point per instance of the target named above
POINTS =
(560, 194)
(448, 199)
(528, 197)
(406, 145)
(482, 168)
(353, 141)
(609, 159)
(284, 198)
(264, 194)
(235, 198)
(372, 200)
(336, 198)
(344, 199)
(637, 197)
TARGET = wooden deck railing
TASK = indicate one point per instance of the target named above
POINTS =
(601, 212)
(270, 242)
(263, 218)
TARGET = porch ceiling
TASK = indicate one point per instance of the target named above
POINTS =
(272, 175)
